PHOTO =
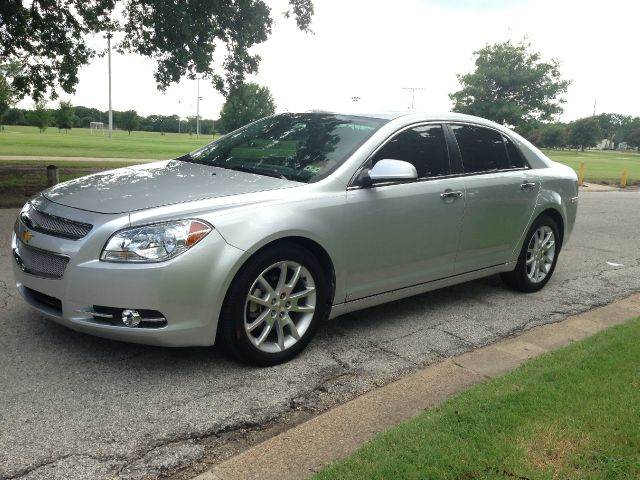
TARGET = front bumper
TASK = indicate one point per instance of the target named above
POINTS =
(188, 290)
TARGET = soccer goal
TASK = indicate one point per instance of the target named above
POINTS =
(95, 126)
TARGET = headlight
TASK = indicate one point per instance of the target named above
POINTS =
(154, 243)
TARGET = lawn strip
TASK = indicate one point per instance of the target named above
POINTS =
(574, 413)
(20, 181)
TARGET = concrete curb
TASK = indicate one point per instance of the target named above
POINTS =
(599, 187)
(340, 431)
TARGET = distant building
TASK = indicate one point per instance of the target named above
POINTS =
(623, 146)
(605, 144)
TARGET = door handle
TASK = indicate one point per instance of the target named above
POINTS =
(450, 194)
(527, 186)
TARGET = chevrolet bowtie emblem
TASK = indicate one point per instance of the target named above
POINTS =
(26, 236)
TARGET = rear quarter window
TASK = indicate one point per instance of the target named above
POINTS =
(516, 159)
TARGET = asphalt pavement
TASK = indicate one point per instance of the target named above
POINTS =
(74, 406)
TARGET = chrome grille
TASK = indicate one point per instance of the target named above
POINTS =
(40, 262)
(52, 225)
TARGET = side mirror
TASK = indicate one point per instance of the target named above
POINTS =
(388, 171)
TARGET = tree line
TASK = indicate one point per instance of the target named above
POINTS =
(608, 131)
(66, 116)
(244, 104)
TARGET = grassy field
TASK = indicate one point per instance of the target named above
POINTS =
(80, 142)
(572, 414)
(601, 166)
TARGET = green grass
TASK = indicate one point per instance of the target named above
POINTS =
(571, 414)
(601, 166)
(88, 164)
(80, 142)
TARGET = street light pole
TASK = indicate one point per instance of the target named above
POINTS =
(198, 112)
(109, 66)
(179, 114)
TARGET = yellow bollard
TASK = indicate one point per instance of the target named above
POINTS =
(581, 174)
(623, 180)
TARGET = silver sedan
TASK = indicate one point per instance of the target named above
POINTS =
(256, 238)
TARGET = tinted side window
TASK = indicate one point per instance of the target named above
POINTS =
(482, 149)
(423, 146)
(516, 159)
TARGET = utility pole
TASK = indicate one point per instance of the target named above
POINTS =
(413, 93)
(198, 112)
(179, 114)
(595, 100)
(109, 67)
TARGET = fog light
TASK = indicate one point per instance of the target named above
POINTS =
(131, 318)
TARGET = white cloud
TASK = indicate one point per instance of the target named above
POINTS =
(371, 49)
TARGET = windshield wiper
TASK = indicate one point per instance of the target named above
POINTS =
(253, 170)
(185, 158)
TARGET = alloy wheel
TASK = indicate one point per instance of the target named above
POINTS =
(541, 252)
(280, 306)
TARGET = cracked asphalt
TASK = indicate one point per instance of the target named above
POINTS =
(77, 407)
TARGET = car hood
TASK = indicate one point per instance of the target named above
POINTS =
(157, 184)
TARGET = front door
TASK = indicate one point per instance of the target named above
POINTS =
(405, 234)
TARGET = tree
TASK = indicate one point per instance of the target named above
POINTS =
(14, 116)
(611, 126)
(585, 132)
(51, 38)
(128, 120)
(40, 116)
(553, 135)
(7, 95)
(65, 116)
(246, 103)
(511, 85)
(630, 132)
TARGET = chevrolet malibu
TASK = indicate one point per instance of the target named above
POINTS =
(255, 239)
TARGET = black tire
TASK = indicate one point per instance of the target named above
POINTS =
(232, 322)
(518, 279)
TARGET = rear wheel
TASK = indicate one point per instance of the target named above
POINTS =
(538, 257)
(274, 305)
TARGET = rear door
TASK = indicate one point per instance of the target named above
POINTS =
(501, 193)
(404, 234)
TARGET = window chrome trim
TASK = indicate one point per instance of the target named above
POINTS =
(410, 182)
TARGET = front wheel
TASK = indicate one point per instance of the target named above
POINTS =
(538, 257)
(274, 305)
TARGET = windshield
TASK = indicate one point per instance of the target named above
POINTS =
(303, 147)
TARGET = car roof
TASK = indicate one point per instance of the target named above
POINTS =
(412, 115)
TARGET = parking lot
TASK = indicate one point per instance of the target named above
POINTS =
(74, 406)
